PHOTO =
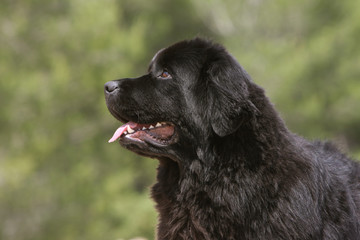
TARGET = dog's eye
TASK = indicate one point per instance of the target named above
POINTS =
(165, 75)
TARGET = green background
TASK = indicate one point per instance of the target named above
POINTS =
(61, 180)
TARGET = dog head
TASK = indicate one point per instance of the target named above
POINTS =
(194, 90)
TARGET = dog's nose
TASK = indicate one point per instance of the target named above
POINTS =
(111, 86)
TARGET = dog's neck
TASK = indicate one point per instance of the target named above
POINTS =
(205, 180)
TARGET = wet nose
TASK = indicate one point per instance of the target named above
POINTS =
(111, 86)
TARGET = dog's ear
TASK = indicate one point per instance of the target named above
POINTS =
(228, 96)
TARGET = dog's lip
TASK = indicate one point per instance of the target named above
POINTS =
(159, 133)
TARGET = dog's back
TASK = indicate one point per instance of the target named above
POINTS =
(340, 189)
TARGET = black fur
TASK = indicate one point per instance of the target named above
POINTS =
(233, 169)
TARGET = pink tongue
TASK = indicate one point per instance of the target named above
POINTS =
(121, 130)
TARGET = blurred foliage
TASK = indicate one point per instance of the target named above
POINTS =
(59, 179)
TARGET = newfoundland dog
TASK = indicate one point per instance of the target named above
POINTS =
(228, 166)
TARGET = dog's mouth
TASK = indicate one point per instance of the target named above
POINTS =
(160, 133)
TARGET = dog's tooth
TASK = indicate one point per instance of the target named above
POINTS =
(125, 132)
(151, 127)
(158, 125)
(129, 129)
(144, 128)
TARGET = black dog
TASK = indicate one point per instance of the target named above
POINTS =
(229, 168)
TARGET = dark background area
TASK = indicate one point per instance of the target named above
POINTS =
(60, 179)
